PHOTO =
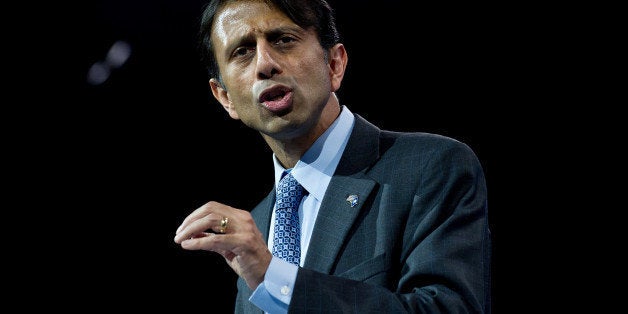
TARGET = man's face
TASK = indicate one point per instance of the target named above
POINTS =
(275, 73)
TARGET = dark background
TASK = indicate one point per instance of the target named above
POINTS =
(122, 163)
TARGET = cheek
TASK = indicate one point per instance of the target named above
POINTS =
(313, 62)
(239, 90)
(313, 71)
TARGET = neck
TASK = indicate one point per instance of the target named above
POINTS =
(289, 151)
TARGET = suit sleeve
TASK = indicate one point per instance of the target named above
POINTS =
(444, 261)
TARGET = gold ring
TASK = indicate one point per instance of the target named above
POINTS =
(223, 224)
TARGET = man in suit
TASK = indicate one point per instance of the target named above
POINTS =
(389, 222)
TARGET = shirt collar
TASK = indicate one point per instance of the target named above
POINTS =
(316, 167)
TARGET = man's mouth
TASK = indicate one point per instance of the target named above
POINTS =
(276, 99)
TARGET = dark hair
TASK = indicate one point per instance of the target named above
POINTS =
(305, 13)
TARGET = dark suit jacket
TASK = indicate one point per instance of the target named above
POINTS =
(417, 241)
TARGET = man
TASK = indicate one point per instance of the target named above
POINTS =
(389, 222)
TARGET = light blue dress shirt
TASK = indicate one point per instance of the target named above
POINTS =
(313, 171)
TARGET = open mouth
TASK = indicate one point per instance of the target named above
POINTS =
(276, 99)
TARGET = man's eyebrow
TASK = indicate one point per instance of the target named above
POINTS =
(287, 29)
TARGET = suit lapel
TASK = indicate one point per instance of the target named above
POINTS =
(336, 215)
(335, 219)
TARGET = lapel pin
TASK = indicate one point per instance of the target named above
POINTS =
(352, 200)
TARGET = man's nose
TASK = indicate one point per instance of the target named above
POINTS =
(267, 64)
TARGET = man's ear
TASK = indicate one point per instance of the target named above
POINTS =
(223, 98)
(337, 64)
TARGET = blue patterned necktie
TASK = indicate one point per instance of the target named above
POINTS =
(287, 240)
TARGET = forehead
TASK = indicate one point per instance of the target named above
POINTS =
(244, 18)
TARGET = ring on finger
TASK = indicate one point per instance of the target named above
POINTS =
(223, 224)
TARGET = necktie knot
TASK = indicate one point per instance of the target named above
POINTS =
(287, 235)
(289, 193)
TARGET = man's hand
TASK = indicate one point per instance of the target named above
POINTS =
(240, 243)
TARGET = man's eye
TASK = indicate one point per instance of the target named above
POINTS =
(284, 40)
(242, 51)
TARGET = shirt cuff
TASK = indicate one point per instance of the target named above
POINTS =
(273, 295)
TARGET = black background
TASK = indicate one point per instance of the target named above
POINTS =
(122, 163)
